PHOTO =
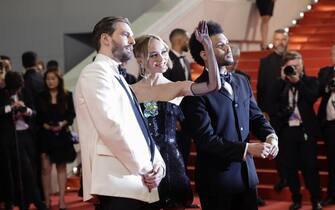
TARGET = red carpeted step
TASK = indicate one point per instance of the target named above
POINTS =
(267, 192)
(310, 46)
(312, 38)
(271, 164)
(316, 20)
(312, 29)
(319, 14)
(309, 62)
(325, 7)
(269, 177)
(256, 55)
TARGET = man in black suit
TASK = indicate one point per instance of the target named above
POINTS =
(33, 80)
(233, 67)
(180, 70)
(326, 116)
(298, 128)
(268, 87)
(219, 122)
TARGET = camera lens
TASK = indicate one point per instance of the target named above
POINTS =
(289, 70)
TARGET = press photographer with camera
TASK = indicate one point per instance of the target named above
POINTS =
(326, 115)
(17, 146)
(298, 128)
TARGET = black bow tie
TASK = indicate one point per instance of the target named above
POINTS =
(122, 71)
(226, 77)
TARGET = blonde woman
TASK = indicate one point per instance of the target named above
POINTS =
(159, 100)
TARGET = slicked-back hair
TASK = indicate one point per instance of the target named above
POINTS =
(196, 47)
(176, 32)
(106, 25)
(291, 55)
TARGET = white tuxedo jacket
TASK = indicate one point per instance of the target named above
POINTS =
(114, 151)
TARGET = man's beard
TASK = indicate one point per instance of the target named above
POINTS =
(224, 61)
(121, 53)
(281, 49)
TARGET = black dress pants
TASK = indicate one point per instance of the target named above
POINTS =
(240, 201)
(118, 203)
(329, 135)
(300, 153)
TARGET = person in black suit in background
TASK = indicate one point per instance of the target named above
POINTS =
(326, 116)
(219, 122)
(268, 87)
(298, 128)
(17, 146)
(233, 67)
(33, 80)
(180, 70)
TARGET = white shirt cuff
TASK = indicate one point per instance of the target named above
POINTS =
(245, 151)
(8, 109)
(272, 139)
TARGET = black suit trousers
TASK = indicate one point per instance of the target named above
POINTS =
(329, 134)
(299, 152)
(119, 203)
(240, 201)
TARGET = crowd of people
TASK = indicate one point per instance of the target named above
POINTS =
(286, 95)
(35, 114)
(136, 132)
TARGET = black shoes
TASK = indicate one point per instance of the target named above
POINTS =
(193, 206)
(295, 206)
(328, 201)
(281, 184)
(316, 206)
(260, 202)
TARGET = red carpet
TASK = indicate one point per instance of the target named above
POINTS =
(75, 203)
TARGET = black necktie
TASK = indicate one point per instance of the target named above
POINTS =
(122, 71)
(140, 119)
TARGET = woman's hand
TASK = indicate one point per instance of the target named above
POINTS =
(201, 34)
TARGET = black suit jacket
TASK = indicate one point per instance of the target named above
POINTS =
(268, 84)
(33, 82)
(308, 88)
(220, 127)
(325, 75)
(177, 73)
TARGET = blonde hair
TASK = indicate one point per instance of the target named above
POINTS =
(141, 49)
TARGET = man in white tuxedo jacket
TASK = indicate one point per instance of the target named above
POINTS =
(121, 165)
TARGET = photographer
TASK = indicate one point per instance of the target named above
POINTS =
(17, 147)
(2, 74)
(326, 116)
(298, 128)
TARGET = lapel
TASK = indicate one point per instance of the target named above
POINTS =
(224, 92)
(235, 88)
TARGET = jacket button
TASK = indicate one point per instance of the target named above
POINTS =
(241, 129)
(236, 105)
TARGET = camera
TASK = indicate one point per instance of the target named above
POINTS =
(290, 71)
(21, 109)
(331, 85)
